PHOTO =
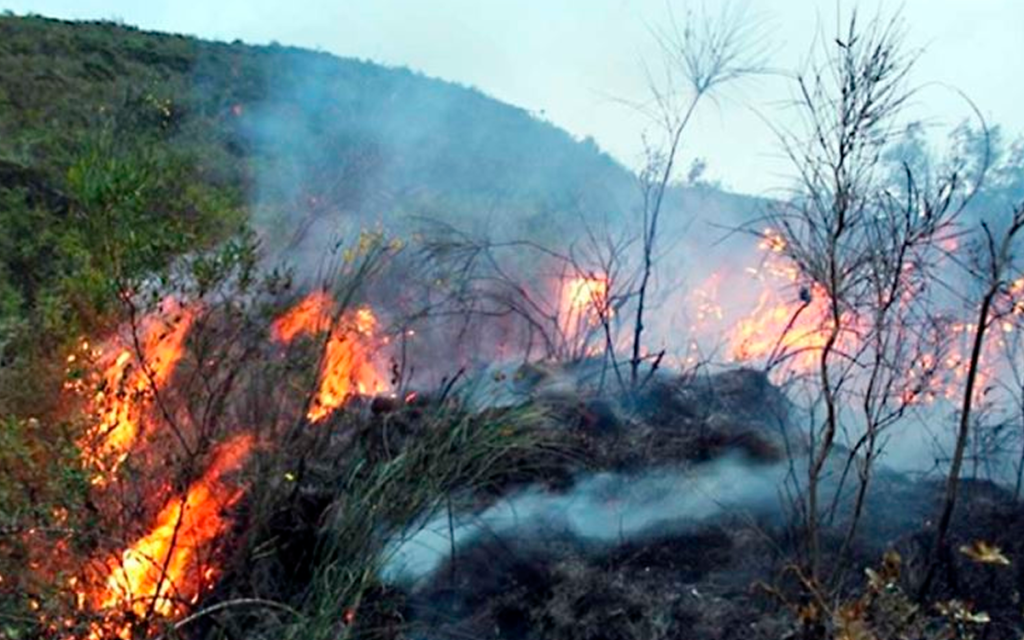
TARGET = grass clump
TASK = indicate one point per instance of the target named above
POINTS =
(325, 513)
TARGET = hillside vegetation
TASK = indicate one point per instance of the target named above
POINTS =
(120, 149)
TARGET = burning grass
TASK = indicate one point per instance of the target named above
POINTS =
(134, 369)
(349, 363)
(292, 540)
(300, 532)
(361, 483)
(165, 444)
(165, 572)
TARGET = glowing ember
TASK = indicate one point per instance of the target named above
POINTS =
(772, 241)
(952, 376)
(709, 311)
(163, 571)
(129, 382)
(348, 368)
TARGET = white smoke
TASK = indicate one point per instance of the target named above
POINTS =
(603, 508)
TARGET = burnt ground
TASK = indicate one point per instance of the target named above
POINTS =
(658, 586)
(725, 580)
(721, 577)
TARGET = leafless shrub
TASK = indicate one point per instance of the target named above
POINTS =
(866, 252)
(997, 269)
(703, 53)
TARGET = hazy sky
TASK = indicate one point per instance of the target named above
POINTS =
(574, 62)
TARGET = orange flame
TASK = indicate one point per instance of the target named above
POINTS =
(779, 327)
(797, 329)
(348, 368)
(782, 328)
(129, 383)
(162, 571)
(584, 303)
(311, 315)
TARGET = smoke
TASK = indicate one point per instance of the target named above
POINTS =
(342, 144)
(339, 146)
(604, 508)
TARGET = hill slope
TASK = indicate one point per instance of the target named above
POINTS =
(120, 149)
(385, 132)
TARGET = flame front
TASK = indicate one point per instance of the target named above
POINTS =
(779, 328)
(347, 369)
(129, 382)
(348, 366)
(164, 570)
(794, 330)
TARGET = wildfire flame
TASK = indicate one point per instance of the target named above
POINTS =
(584, 303)
(778, 327)
(166, 570)
(129, 382)
(348, 367)
(795, 329)
(311, 315)
(163, 570)
(782, 327)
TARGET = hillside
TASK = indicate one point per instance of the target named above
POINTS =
(123, 151)
(294, 346)
(352, 133)
(106, 128)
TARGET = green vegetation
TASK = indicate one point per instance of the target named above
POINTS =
(101, 185)
(121, 149)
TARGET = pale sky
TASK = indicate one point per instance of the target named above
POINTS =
(573, 62)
